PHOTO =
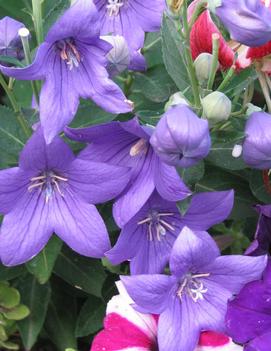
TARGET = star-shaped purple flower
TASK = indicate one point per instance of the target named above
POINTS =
(52, 191)
(72, 60)
(131, 19)
(127, 144)
(248, 317)
(194, 297)
(147, 239)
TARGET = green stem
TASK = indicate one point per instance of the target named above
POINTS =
(214, 65)
(20, 117)
(37, 19)
(128, 84)
(190, 64)
(227, 78)
(151, 45)
(201, 6)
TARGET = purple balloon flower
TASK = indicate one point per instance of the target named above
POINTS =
(248, 317)
(194, 297)
(147, 239)
(262, 242)
(10, 42)
(257, 145)
(72, 60)
(181, 138)
(248, 21)
(52, 191)
(127, 144)
(131, 19)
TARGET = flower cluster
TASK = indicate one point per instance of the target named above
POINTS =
(180, 294)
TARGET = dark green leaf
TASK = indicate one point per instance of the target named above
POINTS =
(42, 265)
(193, 174)
(8, 273)
(36, 297)
(91, 316)
(240, 82)
(81, 272)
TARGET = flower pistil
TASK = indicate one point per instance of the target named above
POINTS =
(193, 286)
(113, 7)
(69, 53)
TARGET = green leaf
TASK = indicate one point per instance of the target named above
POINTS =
(3, 334)
(9, 297)
(7, 345)
(42, 265)
(257, 186)
(90, 318)
(61, 319)
(240, 82)
(172, 53)
(83, 273)
(17, 313)
(36, 297)
(52, 11)
(8, 273)
(193, 174)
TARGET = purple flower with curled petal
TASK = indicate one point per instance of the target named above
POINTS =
(10, 42)
(72, 60)
(181, 138)
(257, 144)
(52, 191)
(127, 144)
(248, 21)
(147, 239)
(194, 297)
(248, 318)
(131, 19)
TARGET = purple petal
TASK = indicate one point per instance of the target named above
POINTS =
(261, 343)
(36, 70)
(208, 209)
(97, 182)
(37, 156)
(80, 225)
(133, 127)
(168, 183)
(25, 230)
(9, 31)
(137, 61)
(192, 251)
(150, 292)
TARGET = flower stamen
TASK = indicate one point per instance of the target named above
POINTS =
(194, 287)
(113, 7)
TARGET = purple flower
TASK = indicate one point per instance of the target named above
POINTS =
(248, 317)
(10, 42)
(147, 239)
(181, 138)
(194, 297)
(248, 21)
(131, 19)
(52, 191)
(127, 144)
(257, 145)
(72, 61)
(262, 242)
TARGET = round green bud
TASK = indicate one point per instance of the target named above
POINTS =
(203, 64)
(216, 107)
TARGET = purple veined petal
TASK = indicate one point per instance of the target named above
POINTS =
(178, 329)
(80, 225)
(36, 70)
(91, 79)
(168, 183)
(150, 292)
(37, 156)
(261, 343)
(248, 315)
(131, 201)
(133, 127)
(97, 182)
(208, 209)
(25, 230)
(79, 21)
(192, 251)
(137, 61)
(149, 15)
(234, 271)
(13, 185)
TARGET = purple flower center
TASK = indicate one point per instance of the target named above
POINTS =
(113, 7)
(47, 182)
(157, 224)
(69, 52)
(193, 286)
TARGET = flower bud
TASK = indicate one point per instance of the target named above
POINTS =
(119, 56)
(176, 99)
(216, 107)
(257, 144)
(203, 65)
(175, 6)
(181, 138)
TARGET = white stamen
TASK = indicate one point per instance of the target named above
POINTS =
(193, 287)
(35, 186)
(113, 7)
(167, 225)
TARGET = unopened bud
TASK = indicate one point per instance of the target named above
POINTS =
(203, 66)
(237, 151)
(216, 107)
(176, 99)
(119, 56)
